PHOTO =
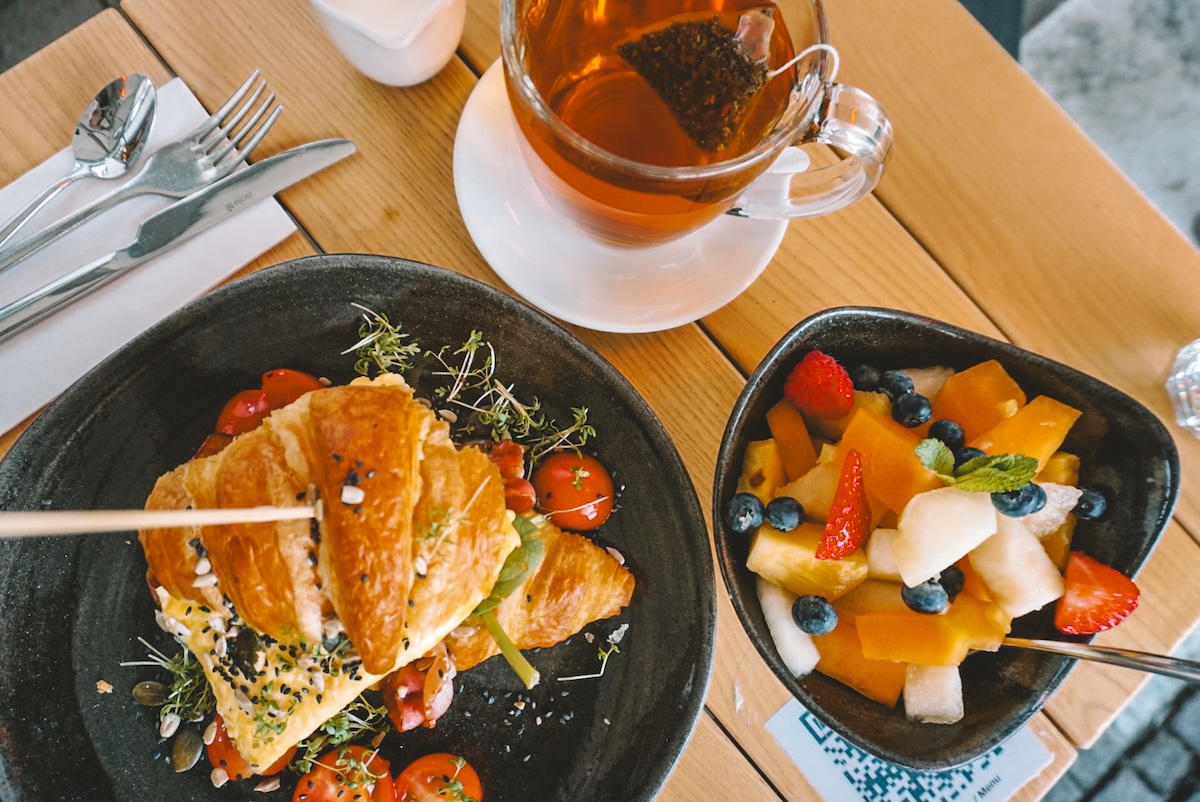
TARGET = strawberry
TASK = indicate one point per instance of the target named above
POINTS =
(1097, 597)
(849, 514)
(820, 387)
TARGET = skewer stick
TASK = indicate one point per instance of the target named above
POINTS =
(79, 522)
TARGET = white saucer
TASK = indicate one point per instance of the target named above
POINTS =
(567, 273)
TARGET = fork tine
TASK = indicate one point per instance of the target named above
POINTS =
(252, 143)
(242, 132)
(222, 130)
(217, 116)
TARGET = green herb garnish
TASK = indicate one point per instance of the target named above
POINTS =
(191, 697)
(381, 345)
(523, 561)
(999, 474)
(356, 719)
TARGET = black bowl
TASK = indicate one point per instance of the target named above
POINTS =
(1125, 451)
(71, 608)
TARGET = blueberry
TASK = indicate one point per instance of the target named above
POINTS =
(952, 580)
(928, 597)
(895, 383)
(949, 433)
(1024, 500)
(814, 615)
(745, 513)
(865, 377)
(966, 455)
(911, 410)
(1091, 504)
(784, 513)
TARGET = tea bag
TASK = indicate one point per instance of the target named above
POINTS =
(706, 73)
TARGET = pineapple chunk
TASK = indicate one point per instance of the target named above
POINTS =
(762, 470)
(790, 561)
(1062, 468)
(881, 557)
(939, 527)
(795, 646)
(1016, 569)
(834, 429)
(872, 596)
(933, 694)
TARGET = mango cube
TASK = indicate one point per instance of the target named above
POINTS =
(978, 398)
(1036, 430)
(789, 559)
(842, 659)
(892, 472)
(792, 439)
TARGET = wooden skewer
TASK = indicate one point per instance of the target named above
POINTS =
(79, 522)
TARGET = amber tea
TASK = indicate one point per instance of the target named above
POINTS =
(660, 83)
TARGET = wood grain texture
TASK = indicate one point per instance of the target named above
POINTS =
(1027, 214)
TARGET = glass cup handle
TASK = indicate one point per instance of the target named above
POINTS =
(850, 120)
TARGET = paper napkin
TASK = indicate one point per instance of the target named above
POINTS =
(839, 770)
(40, 362)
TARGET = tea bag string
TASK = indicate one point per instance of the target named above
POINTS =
(830, 49)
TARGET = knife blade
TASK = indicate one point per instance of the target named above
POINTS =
(175, 224)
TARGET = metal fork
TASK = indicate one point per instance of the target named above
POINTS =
(208, 153)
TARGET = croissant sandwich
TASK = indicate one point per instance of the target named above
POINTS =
(292, 620)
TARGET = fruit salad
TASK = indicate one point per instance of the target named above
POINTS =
(900, 520)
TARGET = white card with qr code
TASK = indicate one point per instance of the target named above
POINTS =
(841, 771)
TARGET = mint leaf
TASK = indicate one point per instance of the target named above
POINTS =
(937, 457)
(998, 474)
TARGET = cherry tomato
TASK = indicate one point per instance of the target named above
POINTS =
(243, 412)
(347, 774)
(519, 495)
(223, 754)
(438, 777)
(418, 697)
(575, 490)
(283, 386)
(508, 456)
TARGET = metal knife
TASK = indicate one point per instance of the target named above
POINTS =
(177, 223)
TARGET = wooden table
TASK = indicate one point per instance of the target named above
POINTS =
(996, 214)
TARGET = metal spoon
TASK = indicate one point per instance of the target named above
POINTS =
(1126, 658)
(109, 137)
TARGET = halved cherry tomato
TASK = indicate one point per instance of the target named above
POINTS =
(243, 412)
(438, 777)
(519, 495)
(347, 774)
(284, 385)
(223, 754)
(575, 490)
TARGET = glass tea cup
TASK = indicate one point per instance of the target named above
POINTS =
(636, 155)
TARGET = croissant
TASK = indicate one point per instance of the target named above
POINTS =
(413, 537)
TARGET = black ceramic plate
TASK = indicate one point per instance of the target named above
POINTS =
(72, 608)
(1125, 451)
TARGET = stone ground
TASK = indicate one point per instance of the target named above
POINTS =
(1128, 72)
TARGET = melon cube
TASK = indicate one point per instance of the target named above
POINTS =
(872, 596)
(938, 528)
(892, 471)
(789, 559)
(791, 437)
(978, 398)
(1036, 430)
(814, 490)
(795, 646)
(842, 659)
(1016, 569)
(762, 470)
(933, 694)
(881, 556)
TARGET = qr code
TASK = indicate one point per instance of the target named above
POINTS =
(874, 779)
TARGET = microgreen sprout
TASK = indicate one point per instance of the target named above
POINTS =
(381, 345)
(352, 721)
(603, 654)
(453, 788)
(191, 697)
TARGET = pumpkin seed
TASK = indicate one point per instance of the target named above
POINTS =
(186, 749)
(150, 693)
